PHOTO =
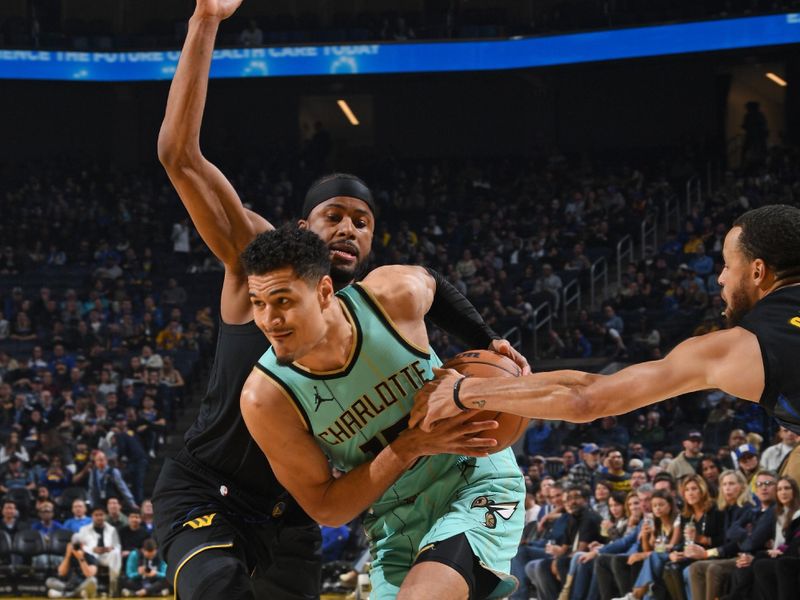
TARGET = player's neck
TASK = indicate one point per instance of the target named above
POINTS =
(336, 345)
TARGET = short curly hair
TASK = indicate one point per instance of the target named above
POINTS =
(772, 233)
(289, 246)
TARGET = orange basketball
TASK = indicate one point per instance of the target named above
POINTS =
(485, 363)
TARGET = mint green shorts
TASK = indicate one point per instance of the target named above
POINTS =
(483, 498)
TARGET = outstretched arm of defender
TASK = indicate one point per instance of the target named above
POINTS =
(302, 468)
(214, 206)
(728, 360)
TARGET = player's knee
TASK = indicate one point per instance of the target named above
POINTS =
(220, 576)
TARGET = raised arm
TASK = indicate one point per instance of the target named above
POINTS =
(214, 206)
(303, 469)
(729, 360)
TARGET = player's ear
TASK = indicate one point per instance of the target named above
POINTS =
(325, 291)
(759, 272)
(302, 224)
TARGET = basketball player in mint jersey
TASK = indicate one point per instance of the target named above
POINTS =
(757, 359)
(221, 516)
(444, 517)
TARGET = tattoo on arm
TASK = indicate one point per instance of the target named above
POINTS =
(479, 403)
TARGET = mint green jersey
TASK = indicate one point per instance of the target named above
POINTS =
(355, 411)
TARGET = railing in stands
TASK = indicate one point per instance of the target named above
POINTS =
(598, 272)
(514, 337)
(694, 193)
(542, 317)
(624, 249)
(650, 232)
(672, 213)
(570, 294)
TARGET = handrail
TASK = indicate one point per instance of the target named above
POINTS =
(694, 187)
(595, 275)
(571, 298)
(649, 230)
(624, 248)
(672, 206)
(514, 337)
(546, 320)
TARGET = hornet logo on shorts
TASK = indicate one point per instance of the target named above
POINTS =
(504, 509)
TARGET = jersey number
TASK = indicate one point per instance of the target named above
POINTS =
(384, 438)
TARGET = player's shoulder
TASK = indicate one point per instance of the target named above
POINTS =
(402, 291)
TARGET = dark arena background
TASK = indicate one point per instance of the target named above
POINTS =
(571, 166)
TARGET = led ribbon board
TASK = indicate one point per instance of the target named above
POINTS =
(490, 55)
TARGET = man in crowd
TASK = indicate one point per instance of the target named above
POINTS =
(77, 573)
(101, 540)
(688, 461)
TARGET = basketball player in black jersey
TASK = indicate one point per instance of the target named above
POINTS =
(757, 358)
(220, 513)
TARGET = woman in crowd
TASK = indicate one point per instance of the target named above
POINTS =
(13, 447)
(701, 524)
(616, 525)
(602, 492)
(734, 497)
(777, 577)
(710, 470)
(656, 536)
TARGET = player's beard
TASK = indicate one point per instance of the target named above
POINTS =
(343, 276)
(737, 307)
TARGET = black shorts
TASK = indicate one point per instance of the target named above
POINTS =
(215, 538)
(455, 552)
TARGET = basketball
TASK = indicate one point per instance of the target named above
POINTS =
(485, 363)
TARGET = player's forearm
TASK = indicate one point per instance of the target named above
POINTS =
(558, 395)
(457, 316)
(353, 493)
(179, 138)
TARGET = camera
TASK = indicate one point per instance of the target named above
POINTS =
(76, 546)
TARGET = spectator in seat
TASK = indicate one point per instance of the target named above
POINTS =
(145, 572)
(101, 540)
(79, 518)
(16, 476)
(106, 481)
(251, 36)
(11, 521)
(614, 473)
(688, 461)
(114, 514)
(773, 456)
(77, 574)
(585, 471)
(147, 515)
(133, 534)
(46, 525)
(551, 283)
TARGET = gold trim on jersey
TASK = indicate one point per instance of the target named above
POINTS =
(390, 321)
(353, 346)
(190, 557)
(286, 395)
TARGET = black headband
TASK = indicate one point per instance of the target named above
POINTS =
(334, 187)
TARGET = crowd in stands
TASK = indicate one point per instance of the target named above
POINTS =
(105, 317)
(43, 26)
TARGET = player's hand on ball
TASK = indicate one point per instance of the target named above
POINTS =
(221, 9)
(434, 401)
(505, 348)
(453, 435)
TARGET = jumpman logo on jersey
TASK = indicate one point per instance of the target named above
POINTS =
(319, 399)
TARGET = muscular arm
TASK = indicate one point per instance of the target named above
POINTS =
(214, 206)
(302, 467)
(728, 360)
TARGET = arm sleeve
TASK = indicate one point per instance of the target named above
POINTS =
(455, 314)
